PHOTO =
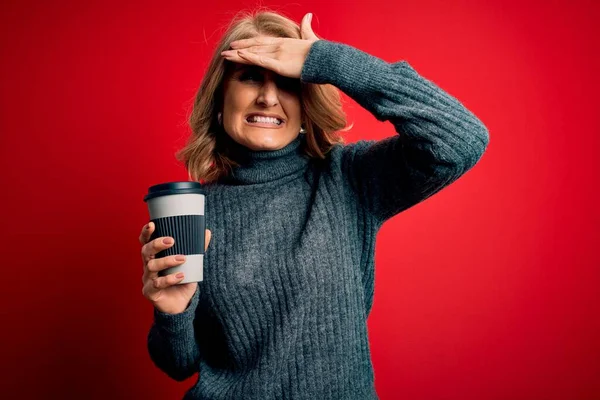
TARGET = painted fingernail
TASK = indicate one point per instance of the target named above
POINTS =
(168, 241)
(179, 275)
(180, 258)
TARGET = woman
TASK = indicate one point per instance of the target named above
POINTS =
(288, 282)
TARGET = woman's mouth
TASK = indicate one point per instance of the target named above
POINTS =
(264, 122)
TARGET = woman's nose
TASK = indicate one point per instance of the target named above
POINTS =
(268, 95)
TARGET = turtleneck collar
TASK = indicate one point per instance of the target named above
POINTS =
(265, 165)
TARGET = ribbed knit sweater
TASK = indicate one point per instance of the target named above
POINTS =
(289, 273)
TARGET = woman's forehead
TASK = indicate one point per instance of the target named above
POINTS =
(243, 67)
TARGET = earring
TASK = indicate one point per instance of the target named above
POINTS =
(302, 130)
(220, 118)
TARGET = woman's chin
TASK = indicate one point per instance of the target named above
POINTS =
(267, 141)
(264, 147)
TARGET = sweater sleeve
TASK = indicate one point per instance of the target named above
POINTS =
(172, 344)
(438, 138)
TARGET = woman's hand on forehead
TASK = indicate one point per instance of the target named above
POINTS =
(284, 56)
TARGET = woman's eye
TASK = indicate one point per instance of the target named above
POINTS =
(289, 84)
(251, 76)
(283, 83)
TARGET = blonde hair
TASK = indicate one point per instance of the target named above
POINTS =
(322, 114)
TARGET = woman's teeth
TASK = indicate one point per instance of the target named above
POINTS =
(264, 120)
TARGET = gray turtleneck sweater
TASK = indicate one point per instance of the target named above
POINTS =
(288, 277)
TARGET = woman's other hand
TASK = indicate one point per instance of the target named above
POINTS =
(163, 292)
(284, 56)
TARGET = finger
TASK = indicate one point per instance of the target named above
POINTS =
(158, 264)
(154, 246)
(158, 283)
(146, 233)
(306, 31)
(271, 48)
(235, 57)
(164, 282)
(208, 235)
(243, 43)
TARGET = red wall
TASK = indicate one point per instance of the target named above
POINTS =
(487, 290)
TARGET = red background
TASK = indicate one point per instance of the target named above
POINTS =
(487, 290)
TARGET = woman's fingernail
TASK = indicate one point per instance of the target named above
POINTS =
(167, 241)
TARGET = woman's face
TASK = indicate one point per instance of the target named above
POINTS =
(251, 95)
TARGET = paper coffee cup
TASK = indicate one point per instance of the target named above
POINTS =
(177, 210)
